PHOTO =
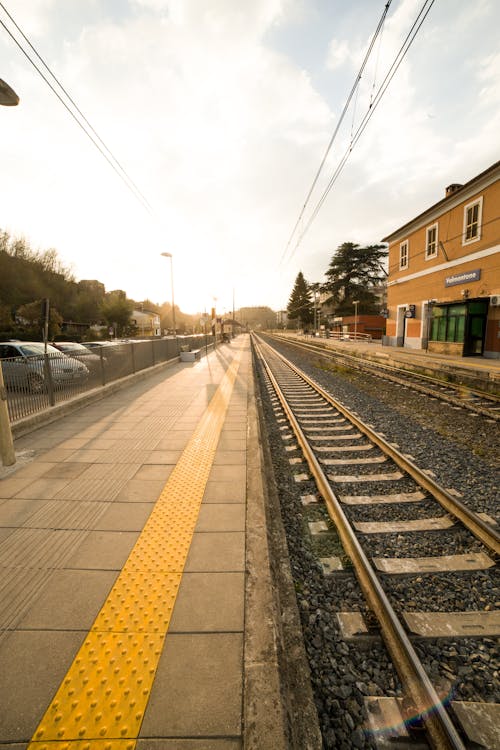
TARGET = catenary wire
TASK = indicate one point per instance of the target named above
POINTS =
(335, 132)
(422, 15)
(92, 135)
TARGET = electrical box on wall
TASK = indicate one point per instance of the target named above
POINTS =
(495, 300)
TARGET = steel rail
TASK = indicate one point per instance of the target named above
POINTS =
(471, 520)
(391, 373)
(441, 731)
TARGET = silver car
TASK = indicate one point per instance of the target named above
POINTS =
(24, 368)
(78, 351)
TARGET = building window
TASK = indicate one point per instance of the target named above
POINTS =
(403, 255)
(431, 241)
(472, 221)
(448, 323)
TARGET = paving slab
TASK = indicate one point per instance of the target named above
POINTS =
(198, 687)
(209, 602)
(221, 517)
(140, 490)
(60, 609)
(183, 744)
(33, 665)
(124, 517)
(225, 492)
(103, 550)
(215, 551)
(228, 458)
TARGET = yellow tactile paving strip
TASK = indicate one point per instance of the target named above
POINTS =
(101, 701)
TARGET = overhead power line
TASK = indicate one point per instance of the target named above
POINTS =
(422, 15)
(83, 123)
(337, 128)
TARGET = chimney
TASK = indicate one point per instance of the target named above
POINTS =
(452, 188)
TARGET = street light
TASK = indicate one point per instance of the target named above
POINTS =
(169, 255)
(355, 302)
(8, 96)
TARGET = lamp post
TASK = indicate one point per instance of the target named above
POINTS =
(214, 321)
(169, 255)
(355, 302)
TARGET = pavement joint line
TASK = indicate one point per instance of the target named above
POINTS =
(103, 697)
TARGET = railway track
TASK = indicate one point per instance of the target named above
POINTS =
(480, 402)
(361, 479)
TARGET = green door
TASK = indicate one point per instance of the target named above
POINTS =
(475, 329)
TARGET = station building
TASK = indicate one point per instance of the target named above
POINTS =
(443, 287)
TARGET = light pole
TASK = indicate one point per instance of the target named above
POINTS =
(355, 302)
(214, 321)
(169, 255)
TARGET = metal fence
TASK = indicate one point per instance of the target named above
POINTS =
(36, 383)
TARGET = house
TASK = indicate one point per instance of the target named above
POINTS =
(443, 287)
(147, 322)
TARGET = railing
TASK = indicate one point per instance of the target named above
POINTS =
(336, 335)
(36, 383)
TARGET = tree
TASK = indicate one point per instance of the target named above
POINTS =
(353, 274)
(6, 322)
(27, 275)
(117, 312)
(300, 306)
(89, 299)
(31, 317)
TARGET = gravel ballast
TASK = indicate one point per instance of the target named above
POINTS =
(461, 451)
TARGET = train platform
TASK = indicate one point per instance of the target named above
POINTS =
(480, 372)
(138, 602)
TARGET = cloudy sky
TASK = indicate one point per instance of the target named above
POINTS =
(221, 112)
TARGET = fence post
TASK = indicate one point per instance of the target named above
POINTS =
(48, 378)
(103, 370)
(6, 444)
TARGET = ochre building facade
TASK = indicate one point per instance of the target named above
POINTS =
(443, 291)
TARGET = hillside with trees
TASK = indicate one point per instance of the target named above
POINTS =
(28, 276)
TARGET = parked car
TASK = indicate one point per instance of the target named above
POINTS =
(78, 351)
(96, 346)
(23, 366)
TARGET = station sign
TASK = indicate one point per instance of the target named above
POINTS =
(463, 278)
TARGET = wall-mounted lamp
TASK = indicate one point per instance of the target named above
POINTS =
(465, 293)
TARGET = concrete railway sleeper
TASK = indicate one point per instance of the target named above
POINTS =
(362, 478)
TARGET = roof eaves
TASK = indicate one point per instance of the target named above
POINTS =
(444, 200)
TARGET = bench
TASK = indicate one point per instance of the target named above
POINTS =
(191, 355)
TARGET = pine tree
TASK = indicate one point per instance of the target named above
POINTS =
(300, 304)
(354, 274)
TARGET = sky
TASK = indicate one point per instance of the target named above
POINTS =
(221, 111)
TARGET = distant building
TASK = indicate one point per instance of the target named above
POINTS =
(443, 289)
(147, 322)
(281, 319)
